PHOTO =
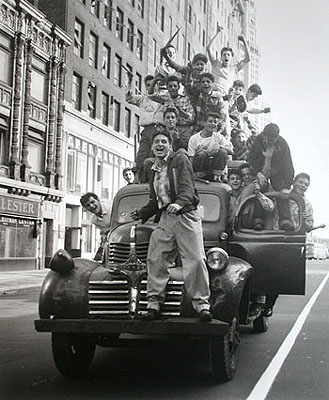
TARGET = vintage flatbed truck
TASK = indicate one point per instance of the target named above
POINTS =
(84, 303)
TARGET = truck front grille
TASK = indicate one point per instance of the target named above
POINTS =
(119, 252)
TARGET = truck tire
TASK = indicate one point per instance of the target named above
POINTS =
(260, 324)
(224, 352)
(72, 353)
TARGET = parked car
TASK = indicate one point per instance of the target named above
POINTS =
(84, 303)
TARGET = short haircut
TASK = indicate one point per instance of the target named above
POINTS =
(207, 75)
(85, 197)
(212, 114)
(227, 49)
(255, 88)
(170, 109)
(173, 78)
(148, 78)
(200, 56)
(126, 170)
(238, 83)
(302, 175)
(271, 129)
(234, 171)
(243, 166)
(162, 132)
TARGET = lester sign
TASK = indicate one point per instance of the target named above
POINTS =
(17, 206)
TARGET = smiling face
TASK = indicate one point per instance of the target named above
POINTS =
(199, 66)
(301, 185)
(212, 123)
(161, 146)
(173, 88)
(235, 181)
(170, 120)
(129, 176)
(93, 205)
(206, 84)
(246, 175)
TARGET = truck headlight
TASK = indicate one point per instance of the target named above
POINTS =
(217, 258)
(61, 262)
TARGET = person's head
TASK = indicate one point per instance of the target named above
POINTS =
(234, 179)
(246, 174)
(173, 86)
(91, 203)
(226, 55)
(301, 183)
(170, 117)
(128, 175)
(238, 87)
(199, 62)
(171, 51)
(148, 80)
(271, 133)
(206, 82)
(237, 136)
(253, 92)
(212, 120)
(161, 144)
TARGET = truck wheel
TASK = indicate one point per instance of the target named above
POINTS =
(72, 353)
(260, 324)
(224, 351)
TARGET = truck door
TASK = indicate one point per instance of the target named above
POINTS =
(277, 256)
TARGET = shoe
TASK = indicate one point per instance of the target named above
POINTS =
(205, 316)
(268, 312)
(255, 309)
(151, 315)
(286, 225)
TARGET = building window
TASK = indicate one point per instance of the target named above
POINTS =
(76, 91)
(189, 51)
(162, 18)
(130, 35)
(132, 3)
(78, 38)
(140, 7)
(177, 39)
(116, 115)
(127, 122)
(138, 83)
(108, 14)
(156, 10)
(119, 24)
(204, 6)
(36, 155)
(117, 70)
(137, 127)
(170, 26)
(39, 81)
(140, 45)
(154, 53)
(128, 71)
(190, 14)
(93, 50)
(203, 37)
(106, 61)
(91, 100)
(94, 8)
(5, 60)
(71, 170)
(105, 108)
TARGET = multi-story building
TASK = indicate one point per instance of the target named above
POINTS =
(32, 56)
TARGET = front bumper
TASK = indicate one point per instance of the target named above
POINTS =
(173, 326)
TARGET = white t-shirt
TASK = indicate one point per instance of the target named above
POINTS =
(224, 76)
(209, 144)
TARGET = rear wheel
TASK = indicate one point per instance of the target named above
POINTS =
(224, 351)
(260, 324)
(72, 353)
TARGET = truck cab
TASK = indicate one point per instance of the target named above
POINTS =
(84, 303)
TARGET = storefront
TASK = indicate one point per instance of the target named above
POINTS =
(20, 228)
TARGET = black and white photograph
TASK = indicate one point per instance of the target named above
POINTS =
(164, 226)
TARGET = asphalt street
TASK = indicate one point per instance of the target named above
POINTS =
(28, 371)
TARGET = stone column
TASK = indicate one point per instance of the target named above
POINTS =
(59, 128)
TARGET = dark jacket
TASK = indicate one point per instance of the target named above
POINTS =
(182, 187)
(282, 170)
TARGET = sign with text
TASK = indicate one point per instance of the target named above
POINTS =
(17, 206)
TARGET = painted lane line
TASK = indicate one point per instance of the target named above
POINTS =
(263, 386)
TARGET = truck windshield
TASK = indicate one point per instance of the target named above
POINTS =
(209, 207)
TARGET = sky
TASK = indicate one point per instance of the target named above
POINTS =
(293, 36)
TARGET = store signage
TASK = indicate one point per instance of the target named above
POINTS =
(17, 206)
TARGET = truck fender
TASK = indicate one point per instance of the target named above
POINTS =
(66, 295)
(227, 288)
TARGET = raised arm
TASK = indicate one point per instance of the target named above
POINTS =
(211, 58)
(246, 58)
(171, 62)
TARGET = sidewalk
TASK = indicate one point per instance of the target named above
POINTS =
(17, 280)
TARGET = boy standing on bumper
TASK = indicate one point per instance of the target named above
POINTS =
(173, 199)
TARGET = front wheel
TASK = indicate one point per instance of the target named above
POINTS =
(224, 351)
(260, 324)
(72, 353)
